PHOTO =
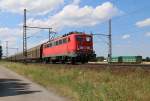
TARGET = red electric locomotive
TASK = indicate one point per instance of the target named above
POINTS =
(73, 47)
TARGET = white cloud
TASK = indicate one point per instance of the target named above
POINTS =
(126, 36)
(12, 34)
(38, 6)
(9, 32)
(143, 23)
(76, 2)
(147, 34)
(14, 38)
(75, 16)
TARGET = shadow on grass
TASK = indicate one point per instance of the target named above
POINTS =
(13, 87)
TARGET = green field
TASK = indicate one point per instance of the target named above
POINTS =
(82, 84)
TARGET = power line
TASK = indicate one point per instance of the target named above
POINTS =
(38, 27)
(39, 36)
(101, 34)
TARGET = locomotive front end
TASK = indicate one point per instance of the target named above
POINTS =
(84, 48)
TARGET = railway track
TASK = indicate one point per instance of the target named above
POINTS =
(96, 65)
(116, 67)
(100, 64)
(143, 65)
(104, 66)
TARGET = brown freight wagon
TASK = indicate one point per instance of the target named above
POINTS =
(34, 54)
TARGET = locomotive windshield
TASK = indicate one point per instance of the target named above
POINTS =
(84, 38)
(80, 39)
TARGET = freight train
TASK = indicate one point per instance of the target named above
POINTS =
(73, 47)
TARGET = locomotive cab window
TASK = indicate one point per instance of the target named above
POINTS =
(57, 42)
(65, 40)
(53, 43)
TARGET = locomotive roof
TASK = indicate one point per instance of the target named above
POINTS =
(70, 33)
(65, 35)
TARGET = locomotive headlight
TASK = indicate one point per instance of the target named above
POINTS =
(88, 39)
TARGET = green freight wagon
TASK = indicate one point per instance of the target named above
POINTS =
(116, 60)
(126, 59)
(131, 59)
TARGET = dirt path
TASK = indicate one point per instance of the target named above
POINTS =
(14, 87)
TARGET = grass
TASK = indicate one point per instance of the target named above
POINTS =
(83, 84)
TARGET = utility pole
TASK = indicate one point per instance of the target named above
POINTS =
(1, 52)
(109, 36)
(110, 41)
(17, 50)
(24, 37)
(6, 48)
(25, 34)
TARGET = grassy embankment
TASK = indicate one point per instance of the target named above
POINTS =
(81, 84)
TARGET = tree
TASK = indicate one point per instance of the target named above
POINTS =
(147, 59)
(1, 52)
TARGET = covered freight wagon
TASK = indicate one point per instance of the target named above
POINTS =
(35, 54)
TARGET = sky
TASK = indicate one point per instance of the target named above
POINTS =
(130, 23)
